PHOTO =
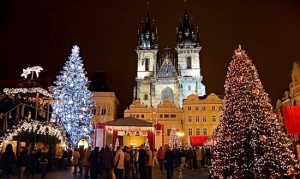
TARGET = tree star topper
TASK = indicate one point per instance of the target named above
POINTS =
(28, 70)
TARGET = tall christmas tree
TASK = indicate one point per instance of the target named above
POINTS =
(250, 142)
(174, 141)
(74, 99)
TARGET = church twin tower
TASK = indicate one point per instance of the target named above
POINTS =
(168, 77)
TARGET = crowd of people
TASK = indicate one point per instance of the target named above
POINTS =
(124, 162)
(27, 163)
(130, 163)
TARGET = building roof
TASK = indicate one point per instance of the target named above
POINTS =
(129, 121)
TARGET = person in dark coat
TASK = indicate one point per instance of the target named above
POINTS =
(93, 160)
(143, 157)
(107, 163)
(8, 161)
(43, 161)
(22, 161)
(31, 165)
(169, 157)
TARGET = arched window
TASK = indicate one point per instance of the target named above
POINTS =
(103, 111)
(146, 64)
(145, 97)
(188, 62)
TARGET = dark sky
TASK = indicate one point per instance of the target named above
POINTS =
(42, 33)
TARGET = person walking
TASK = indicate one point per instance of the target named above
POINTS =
(81, 158)
(198, 157)
(107, 163)
(161, 157)
(93, 163)
(76, 156)
(43, 160)
(21, 161)
(8, 162)
(190, 158)
(127, 162)
(31, 164)
(169, 157)
(154, 158)
(148, 165)
(142, 158)
(119, 163)
(86, 162)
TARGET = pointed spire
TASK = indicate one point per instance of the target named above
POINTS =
(148, 37)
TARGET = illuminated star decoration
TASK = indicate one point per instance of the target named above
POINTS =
(26, 72)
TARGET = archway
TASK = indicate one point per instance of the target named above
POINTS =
(42, 128)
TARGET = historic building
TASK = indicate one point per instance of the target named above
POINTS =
(106, 100)
(169, 91)
(172, 78)
(168, 94)
(202, 116)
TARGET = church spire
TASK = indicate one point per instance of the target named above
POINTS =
(148, 37)
(186, 36)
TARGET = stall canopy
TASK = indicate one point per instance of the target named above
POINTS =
(129, 121)
(198, 140)
(292, 119)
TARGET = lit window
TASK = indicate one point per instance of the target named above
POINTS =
(204, 119)
(190, 131)
(213, 119)
(204, 131)
(103, 111)
(189, 118)
(197, 119)
(197, 131)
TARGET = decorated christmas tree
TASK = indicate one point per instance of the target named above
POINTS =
(250, 143)
(74, 99)
(174, 141)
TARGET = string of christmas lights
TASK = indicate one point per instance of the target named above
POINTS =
(251, 142)
(74, 102)
(43, 128)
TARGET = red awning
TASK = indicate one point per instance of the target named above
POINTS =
(198, 140)
(292, 119)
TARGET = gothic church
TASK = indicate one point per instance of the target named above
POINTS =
(168, 77)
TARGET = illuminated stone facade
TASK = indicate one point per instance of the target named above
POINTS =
(168, 77)
(106, 106)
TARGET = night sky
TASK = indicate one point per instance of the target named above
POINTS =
(42, 33)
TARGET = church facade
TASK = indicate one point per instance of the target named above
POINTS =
(169, 77)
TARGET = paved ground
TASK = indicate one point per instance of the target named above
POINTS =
(157, 174)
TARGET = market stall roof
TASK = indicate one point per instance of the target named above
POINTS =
(27, 86)
(129, 121)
